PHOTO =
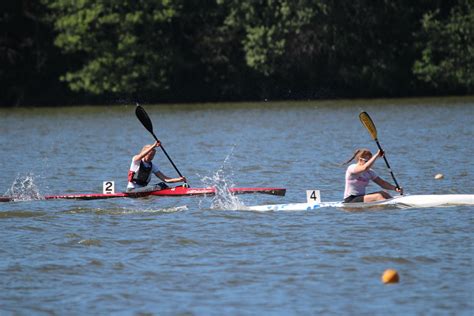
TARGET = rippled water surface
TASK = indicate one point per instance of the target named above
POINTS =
(198, 256)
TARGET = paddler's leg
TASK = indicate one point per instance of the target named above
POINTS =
(376, 196)
(155, 187)
(354, 199)
(161, 186)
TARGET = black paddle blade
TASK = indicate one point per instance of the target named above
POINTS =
(144, 118)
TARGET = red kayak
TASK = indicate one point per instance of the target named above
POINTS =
(176, 191)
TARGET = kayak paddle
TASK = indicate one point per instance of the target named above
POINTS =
(145, 120)
(369, 124)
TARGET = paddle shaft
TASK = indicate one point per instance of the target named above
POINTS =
(388, 165)
(169, 158)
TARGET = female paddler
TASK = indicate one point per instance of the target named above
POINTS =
(141, 169)
(358, 176)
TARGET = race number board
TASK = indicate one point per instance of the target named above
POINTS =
(313, 196)
(108, 187)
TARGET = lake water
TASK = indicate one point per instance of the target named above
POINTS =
(199, 256)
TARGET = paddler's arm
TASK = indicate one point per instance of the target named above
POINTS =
(387, 186)
(361, 168)
(167, 179)
(145, 152)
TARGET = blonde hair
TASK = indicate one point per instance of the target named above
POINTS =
(146, 147)
(357, 154)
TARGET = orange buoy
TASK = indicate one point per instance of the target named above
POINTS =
(390, 276)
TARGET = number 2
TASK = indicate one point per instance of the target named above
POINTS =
(108, 186)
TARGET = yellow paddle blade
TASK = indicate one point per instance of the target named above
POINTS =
(369, 124)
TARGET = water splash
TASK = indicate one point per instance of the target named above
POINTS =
(24, 188)
(223, 199)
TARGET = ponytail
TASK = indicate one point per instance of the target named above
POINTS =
(357, 154)
(352, 158)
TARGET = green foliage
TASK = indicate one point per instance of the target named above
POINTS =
(124, 45)
(206, 50)
(364, 47)
(266, 25)
(447, 58)
(371, 46)
(29, 62)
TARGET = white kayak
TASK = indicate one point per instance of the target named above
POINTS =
(398, 201)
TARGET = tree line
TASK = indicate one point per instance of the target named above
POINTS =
(111, 51)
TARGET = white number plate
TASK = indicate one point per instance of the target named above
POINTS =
(313, 196)
(108, 187)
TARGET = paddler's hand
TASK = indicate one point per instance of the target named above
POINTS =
(380, 153)
(157, 144)
(399, 190)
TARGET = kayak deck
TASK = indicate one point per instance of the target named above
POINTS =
(175, 191)
(399, 201)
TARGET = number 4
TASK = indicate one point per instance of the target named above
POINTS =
(313, 196)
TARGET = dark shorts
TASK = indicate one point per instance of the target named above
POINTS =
(155, 187)
(354, 199)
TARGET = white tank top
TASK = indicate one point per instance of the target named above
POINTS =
(357, 182)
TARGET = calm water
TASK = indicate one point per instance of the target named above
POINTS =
(197, 256)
